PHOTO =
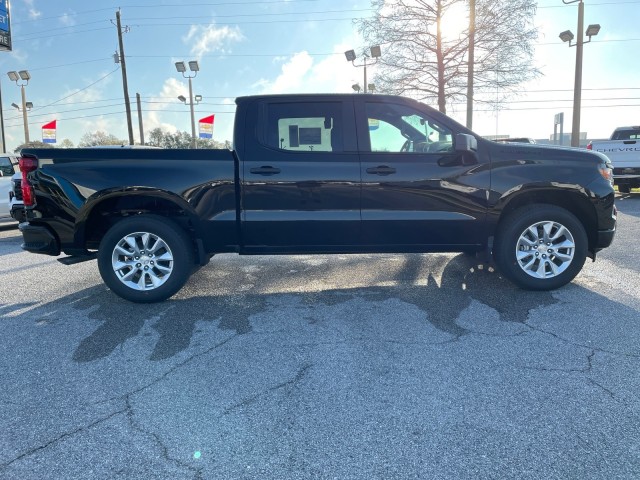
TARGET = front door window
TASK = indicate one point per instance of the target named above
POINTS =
(397, 128)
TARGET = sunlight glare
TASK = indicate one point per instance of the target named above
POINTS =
(455, 21)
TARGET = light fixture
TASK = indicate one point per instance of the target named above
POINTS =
(371, 87)
(592, 30)
(566, 36)
(351, 55)
(25, 76)
(195, 68)
(356, 87)
(376, 52)
(198, 98)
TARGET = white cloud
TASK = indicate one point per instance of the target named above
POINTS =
(68, 19)
(171, 88)
(19, 55)
(33, 12)
(211, 38)
(303, 73)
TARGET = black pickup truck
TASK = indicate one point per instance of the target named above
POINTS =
(320, 174)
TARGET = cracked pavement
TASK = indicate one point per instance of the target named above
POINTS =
(344, 366)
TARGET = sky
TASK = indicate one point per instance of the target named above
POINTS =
(277, 46)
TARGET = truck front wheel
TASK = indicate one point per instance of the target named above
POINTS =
(145, 258)
(540, 247)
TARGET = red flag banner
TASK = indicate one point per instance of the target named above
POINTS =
(49, 132)
(206, 126)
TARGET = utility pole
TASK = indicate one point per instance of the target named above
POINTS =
(140, 118)
(24, 114)
(567, 36)
(124, 78)
(470, 68)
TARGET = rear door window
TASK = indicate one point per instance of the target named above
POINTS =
(305, 127)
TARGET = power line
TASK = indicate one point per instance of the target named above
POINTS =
(155, 7)
(25, 38)
(60, 112)
(279, 14)
(500, 109)
(70, 64)
(15, 125)
(33, 35)
(81, 90)
(592, 4)
(171, 101)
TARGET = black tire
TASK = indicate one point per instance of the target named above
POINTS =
(553, 262)
(624, 188)
(145, 276)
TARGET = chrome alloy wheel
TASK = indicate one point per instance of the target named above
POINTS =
(545, 249)
(142, 261)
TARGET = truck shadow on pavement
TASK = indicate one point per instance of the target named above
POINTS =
(451, 287)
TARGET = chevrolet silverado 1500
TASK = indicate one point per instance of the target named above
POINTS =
(623, 149)
(320, 174)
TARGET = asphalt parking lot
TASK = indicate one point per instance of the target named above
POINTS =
(323, 367)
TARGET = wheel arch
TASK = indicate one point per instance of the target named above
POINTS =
(577, 203)
(103, 209)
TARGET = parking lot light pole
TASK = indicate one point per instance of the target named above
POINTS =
(567, 36)
(25, 76)
(375, 53)
(195, 68)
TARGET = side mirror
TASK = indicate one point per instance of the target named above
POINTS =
(466, 143)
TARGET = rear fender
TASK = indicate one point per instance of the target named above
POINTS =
(131, 201)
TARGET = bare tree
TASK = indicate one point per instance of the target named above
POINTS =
(420, 61)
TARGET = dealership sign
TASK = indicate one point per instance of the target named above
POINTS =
(5, 26)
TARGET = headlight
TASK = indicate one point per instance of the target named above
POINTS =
(607, 173)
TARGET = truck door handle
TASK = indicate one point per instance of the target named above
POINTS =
(381, 170)
(265, 170)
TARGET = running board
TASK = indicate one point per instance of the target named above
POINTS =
(73, 259)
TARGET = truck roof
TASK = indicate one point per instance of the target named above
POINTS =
(323, 96)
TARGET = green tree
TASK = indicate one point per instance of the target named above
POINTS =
(159, 138)
(32, 144)
(66, 143)
(100, 138)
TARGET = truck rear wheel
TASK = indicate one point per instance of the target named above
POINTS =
(540, 247)
(145, 258)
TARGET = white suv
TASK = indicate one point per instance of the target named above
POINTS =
(8, 168)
